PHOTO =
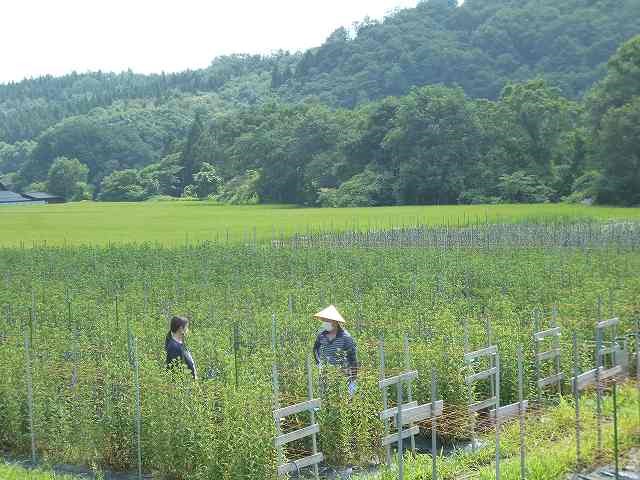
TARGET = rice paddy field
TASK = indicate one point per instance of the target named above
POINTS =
(83, 320)
(177, 222)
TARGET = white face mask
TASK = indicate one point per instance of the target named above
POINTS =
(328, 326)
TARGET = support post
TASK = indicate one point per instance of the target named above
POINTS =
(521, 417)
(407, 366)
(400, 439)
(434, 431)
(274, 337)
(385, 400)
(138, 407)
(556, 344)
(615, 430)
(29, 379)
(276, 405)
(576, 394)
(497, 392)
(538, 328)
(236, 347)
(314, 440)
(598, 393)
(465, 327)
(638, 363)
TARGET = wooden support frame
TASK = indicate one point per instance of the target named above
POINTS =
(553, 353)
(405, 413)
(281, 439)
(393, 411)
(509, 411)
(422, 412)
(602, 370)
(590, 377)
(493, 375)
(403, 377)
(297, 408)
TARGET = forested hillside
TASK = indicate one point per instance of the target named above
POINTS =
(29, 107)
(490, 101)
(479, 46)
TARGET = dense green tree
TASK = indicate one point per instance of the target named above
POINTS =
(122, 186)
(622, 82)
(13, 156)
(480, 45)
(31, 106)
(242, 189)
(164, 177)
(107, 140)
(615, 113)
(619, 147)
(543, 115)
(520, 187)
(366, 189)
(67, 178)
(190, 155)
(207, 181)
(433, 144)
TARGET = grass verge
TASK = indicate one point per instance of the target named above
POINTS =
(14, 472)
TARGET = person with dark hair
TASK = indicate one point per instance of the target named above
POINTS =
(174, 345)
(335, 346)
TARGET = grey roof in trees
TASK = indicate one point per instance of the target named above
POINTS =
(12, 197)
(41, 196)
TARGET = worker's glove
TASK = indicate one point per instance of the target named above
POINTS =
(352, 387)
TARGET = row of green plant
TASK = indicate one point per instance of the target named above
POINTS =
(550, 444)
(550, 453)
(77, 305)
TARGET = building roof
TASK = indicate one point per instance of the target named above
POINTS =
(12, 197)
(41, 196)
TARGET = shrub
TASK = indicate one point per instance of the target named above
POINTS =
(241, 190)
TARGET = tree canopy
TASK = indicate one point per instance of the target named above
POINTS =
(489, 101)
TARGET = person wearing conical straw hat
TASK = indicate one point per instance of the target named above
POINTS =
(335, 346)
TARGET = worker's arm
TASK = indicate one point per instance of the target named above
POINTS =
(352, 360)
(188, 359)
(316, 350)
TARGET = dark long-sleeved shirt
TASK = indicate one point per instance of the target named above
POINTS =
(341, 351)
(177, 351)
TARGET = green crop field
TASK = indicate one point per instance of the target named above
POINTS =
(83, 319)
(90, 314)
(172, 223)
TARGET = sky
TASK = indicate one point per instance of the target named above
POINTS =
(39, 37)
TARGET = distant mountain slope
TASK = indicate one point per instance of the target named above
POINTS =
(479, 46)
(31, 106)
(287, 122)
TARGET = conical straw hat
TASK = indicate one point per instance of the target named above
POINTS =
(329, 313)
